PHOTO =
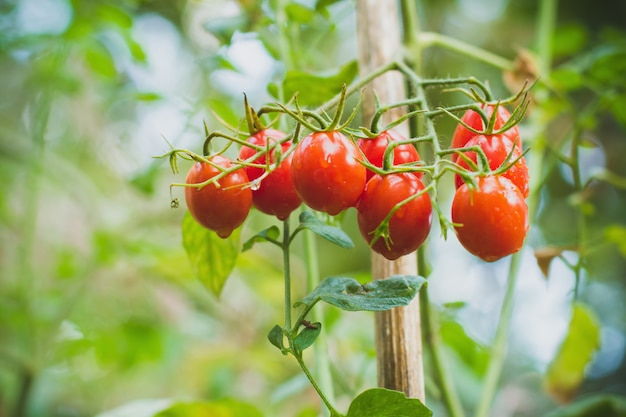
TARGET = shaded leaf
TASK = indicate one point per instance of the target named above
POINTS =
(307, 336)
(567, 369)
(331, 233)
(268, 235)
(219, 408)
(314, 89)
(380, 402)
(569, 39)
(275, 336)
(605, 405)
(212, 258)
(378, 295)
(139, 408)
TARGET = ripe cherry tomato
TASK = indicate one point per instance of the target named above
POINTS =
(275, 194)
(497, 149)
(326, 172)
(409, 225)
(491, 221)
(221, 209)
(374, 150)
(462, 135)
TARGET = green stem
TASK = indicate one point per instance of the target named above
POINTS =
(427, 39)
(361, 82)
(582, 223)
(546, 21)
(284, 45)
(499, 348)
(320, 348)
(443, 376)
(333, 411)
(287, 272)
(26, 386)
(430, 331)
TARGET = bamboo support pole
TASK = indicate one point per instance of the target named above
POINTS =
(398, 338)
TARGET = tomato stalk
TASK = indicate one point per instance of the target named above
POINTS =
(498, 350)
(290, 330)
(320, 350)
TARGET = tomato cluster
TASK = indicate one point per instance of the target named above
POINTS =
(381, 177)
(490, 220)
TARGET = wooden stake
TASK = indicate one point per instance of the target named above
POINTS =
(398, 338)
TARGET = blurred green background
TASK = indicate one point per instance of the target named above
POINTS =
(99, 307)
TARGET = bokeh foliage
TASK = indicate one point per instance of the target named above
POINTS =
(99, 306)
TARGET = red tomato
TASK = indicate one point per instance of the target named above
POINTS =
(409, 225)
(374, 150)
(497, 149)
(491, 221)
(462, 135)
(221, 209)
(275, 194)
(326, 172)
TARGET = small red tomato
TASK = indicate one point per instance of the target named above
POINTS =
(491, 221)
(497, 149)
(221, 209)
(374, 150)
(408, 226)
(462, 135)
(326, 172)
(275, 194)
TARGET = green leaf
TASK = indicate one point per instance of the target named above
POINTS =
(268, 235)
(617, 106)
(212, 258)
(604, 405)
(100, 60)
(323, 4)
(569, 39)
(472, 353)
(135, 48)
(307, 336)
(299, 13)
(219, 408)
(225, 27)
(314, 89)
(567, 369)
(275, 336)
(114, 15)
(616, 234)
(610, 177)
(567, 79)
(378, 295)
(331, 233)
(224, 111)
(147, 96)
(380, 402)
